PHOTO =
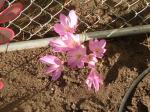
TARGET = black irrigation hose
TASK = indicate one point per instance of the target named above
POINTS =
(132, 87)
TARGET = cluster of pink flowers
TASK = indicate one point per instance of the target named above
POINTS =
(76, 52)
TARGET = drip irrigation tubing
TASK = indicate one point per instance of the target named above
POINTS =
(132, 87)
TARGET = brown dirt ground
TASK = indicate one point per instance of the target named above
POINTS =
(29, 90)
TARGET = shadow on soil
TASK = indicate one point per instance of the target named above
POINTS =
(132, 55)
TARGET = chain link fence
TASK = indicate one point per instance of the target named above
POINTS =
(39, 16)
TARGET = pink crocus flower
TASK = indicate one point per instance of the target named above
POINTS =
(91, 60)
(65, 43)
(94, 80)
(76, 56)
(67, 24)
(97, 47)
(55, 66)
(1, 85)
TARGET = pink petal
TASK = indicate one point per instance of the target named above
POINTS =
(2, 3)
(89, 83)
(91, 64)
(80, 64)
(102, 43)
(11, 12)
(91, 45)
(63, 19)
(1, 85)
(52, 68)
(58, 45)
(101, 53)
(56, 74)
(96, 83)
(72, 62)
(49, 59)
(59, 29)
(73, 19)
(73, 40)
(97, 80)
(91, 60)
(58, 42)
(6, 35)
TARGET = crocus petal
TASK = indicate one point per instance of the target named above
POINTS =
(89, 83)
(80, 64)
(101, 53)
(102, 43)
(59, 28)
(63, 19)
(91, 45)
(73, 62)
(6, 35)
(49, 59)
(1, 85)
(73, 41)
(58, 45)
(52, 68)
(96, 82)
(73, 19)
(91, 64)
(91, 60)
(75, 38)
(56, 74)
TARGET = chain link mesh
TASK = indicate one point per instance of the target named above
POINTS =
(39, 16)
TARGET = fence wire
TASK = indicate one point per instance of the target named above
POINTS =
(39, 16)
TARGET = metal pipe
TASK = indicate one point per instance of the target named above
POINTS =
(85, 36)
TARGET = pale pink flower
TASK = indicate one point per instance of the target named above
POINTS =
(67, 24)
(97, 47)
(94, 80)
(1, 85)
(65, 43)
(76, 56)
(91, 60)
(55, 66)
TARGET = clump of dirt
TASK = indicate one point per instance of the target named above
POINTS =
(29, 90)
